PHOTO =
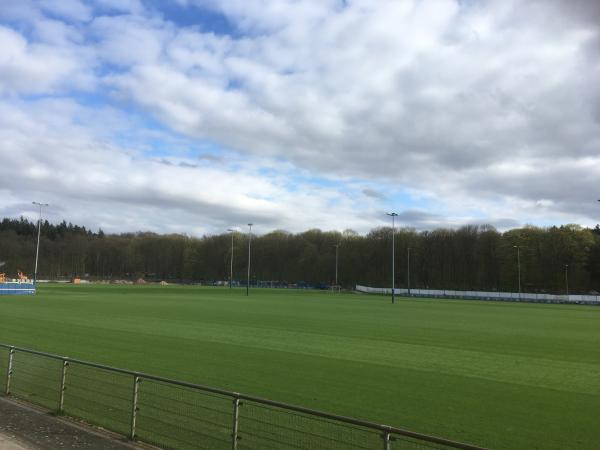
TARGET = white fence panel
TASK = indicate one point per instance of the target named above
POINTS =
(485, 295)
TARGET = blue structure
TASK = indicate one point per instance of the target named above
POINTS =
(17, 288)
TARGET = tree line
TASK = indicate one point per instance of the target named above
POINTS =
(467, 258)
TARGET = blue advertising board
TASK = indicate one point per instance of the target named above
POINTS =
(12, 288)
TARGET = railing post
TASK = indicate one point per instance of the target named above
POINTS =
(63, 379)
(134, 406)
(9, 369)
(236, 415)
(386, 440)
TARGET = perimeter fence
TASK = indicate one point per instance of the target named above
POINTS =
(486, 295)
(174, 414)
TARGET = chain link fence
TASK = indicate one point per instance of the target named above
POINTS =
(177, 415)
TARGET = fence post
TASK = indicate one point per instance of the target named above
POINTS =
(63, 379)
(386, 440)
(9, 369)
(134, 406)
(236, 415)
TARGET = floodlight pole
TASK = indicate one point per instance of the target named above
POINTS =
(408, 269)
(393, 215)
(37, 247)
(249, 242)
(567, 278)
(231, 259)
(337, 248)
(518, 267)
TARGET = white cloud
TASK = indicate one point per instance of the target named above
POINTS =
(129, 40)
(101, 184)
(68, 9)
(39, 68)
(489, 110)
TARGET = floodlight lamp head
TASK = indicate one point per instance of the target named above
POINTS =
(393, 214)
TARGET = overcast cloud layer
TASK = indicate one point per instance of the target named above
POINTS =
(197, 115)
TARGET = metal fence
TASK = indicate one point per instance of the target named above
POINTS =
(173, 414)
(487, 295)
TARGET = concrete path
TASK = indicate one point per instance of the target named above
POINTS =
(24, 427)
(9, 443)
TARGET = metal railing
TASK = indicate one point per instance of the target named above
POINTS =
(178, 415)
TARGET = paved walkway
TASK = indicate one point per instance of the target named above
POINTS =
(9, 443)
(27, 428)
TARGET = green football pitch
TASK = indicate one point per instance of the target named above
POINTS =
(502, 375)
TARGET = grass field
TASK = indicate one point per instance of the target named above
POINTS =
(502, 375)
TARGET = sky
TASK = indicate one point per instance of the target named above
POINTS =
(194, 116)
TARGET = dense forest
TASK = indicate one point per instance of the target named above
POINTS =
(471, 257)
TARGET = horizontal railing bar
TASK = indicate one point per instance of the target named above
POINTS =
(301, 409)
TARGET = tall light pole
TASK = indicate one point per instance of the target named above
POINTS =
(337, 249)
(393, 215)
(518, 266)
(567, 278)
(37, 247)
(231, 259)
(408, 269)
(249, 242)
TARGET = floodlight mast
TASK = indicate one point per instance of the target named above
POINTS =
(37, 247)
(567, 278)
(337, 249)
(231, 259)
(249, 242)
(518, 247)
(393, 215)
(408, 269)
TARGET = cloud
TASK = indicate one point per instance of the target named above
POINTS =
(29, 68)
(123, 6)
(99, 184)
(128, 40)
(489, 110)
(188, 165)
(411, 92)
(68, 9)
(373, 193)
(210, 158)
